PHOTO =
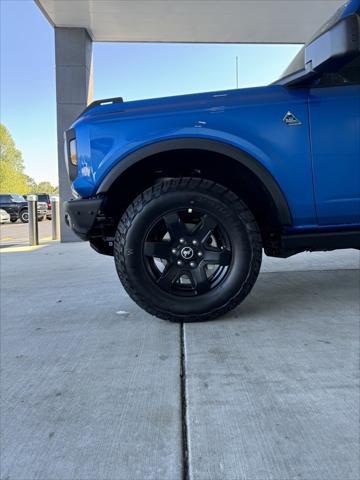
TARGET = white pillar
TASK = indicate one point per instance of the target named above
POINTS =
(74, 90)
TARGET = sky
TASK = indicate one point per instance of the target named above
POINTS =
(133, 71)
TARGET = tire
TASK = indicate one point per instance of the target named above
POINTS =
(40, 219)
(13, 220)
(208, 242)
(24, 216)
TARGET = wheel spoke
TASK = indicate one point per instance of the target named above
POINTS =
(217, 257)
(175, 226)
(205, 228)
(200, 280)
(202, 242)
(158, 249)
(169, 277)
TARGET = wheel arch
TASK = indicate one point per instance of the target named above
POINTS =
(157, 155)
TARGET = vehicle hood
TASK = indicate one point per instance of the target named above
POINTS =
(212, 100)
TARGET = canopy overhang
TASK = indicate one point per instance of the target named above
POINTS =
(193, 21)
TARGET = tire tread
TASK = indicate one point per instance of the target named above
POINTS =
(206, 186)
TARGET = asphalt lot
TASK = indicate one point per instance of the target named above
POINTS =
(92, 385)
(14, 234)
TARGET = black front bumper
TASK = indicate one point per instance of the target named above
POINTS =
(82, 216)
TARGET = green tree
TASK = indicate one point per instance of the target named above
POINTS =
(11, 181)
(8, 151)
(31, 184)
(46, 187)
(12, 176)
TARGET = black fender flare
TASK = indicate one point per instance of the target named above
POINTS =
(245, 159)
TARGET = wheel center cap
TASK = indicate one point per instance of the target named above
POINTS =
(187, 253)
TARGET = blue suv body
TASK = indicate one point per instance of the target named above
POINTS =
(290, 152)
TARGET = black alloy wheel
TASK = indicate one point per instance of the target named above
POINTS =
(187, 252)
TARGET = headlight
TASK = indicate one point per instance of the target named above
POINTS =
(73, 155)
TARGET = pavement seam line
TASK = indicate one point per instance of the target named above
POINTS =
(183, 400)
(313, 270)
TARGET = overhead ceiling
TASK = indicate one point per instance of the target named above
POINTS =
(203, 21)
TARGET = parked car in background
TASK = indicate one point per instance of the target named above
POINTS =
(44, 198)
(16, 206)
(4, 216)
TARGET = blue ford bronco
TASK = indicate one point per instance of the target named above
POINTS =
(185, 192)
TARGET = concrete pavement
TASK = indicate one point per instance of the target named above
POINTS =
(13, 234)
(92, 389)
(90, 382)
(274, 391)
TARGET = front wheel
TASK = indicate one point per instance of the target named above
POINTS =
(188, 250)
(24, 216)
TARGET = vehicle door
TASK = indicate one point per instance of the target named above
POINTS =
(334, 112)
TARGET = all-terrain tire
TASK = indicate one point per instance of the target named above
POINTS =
(213, 201)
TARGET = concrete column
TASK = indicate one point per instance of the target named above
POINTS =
(74, 90)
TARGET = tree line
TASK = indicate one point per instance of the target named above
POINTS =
(13, 178)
